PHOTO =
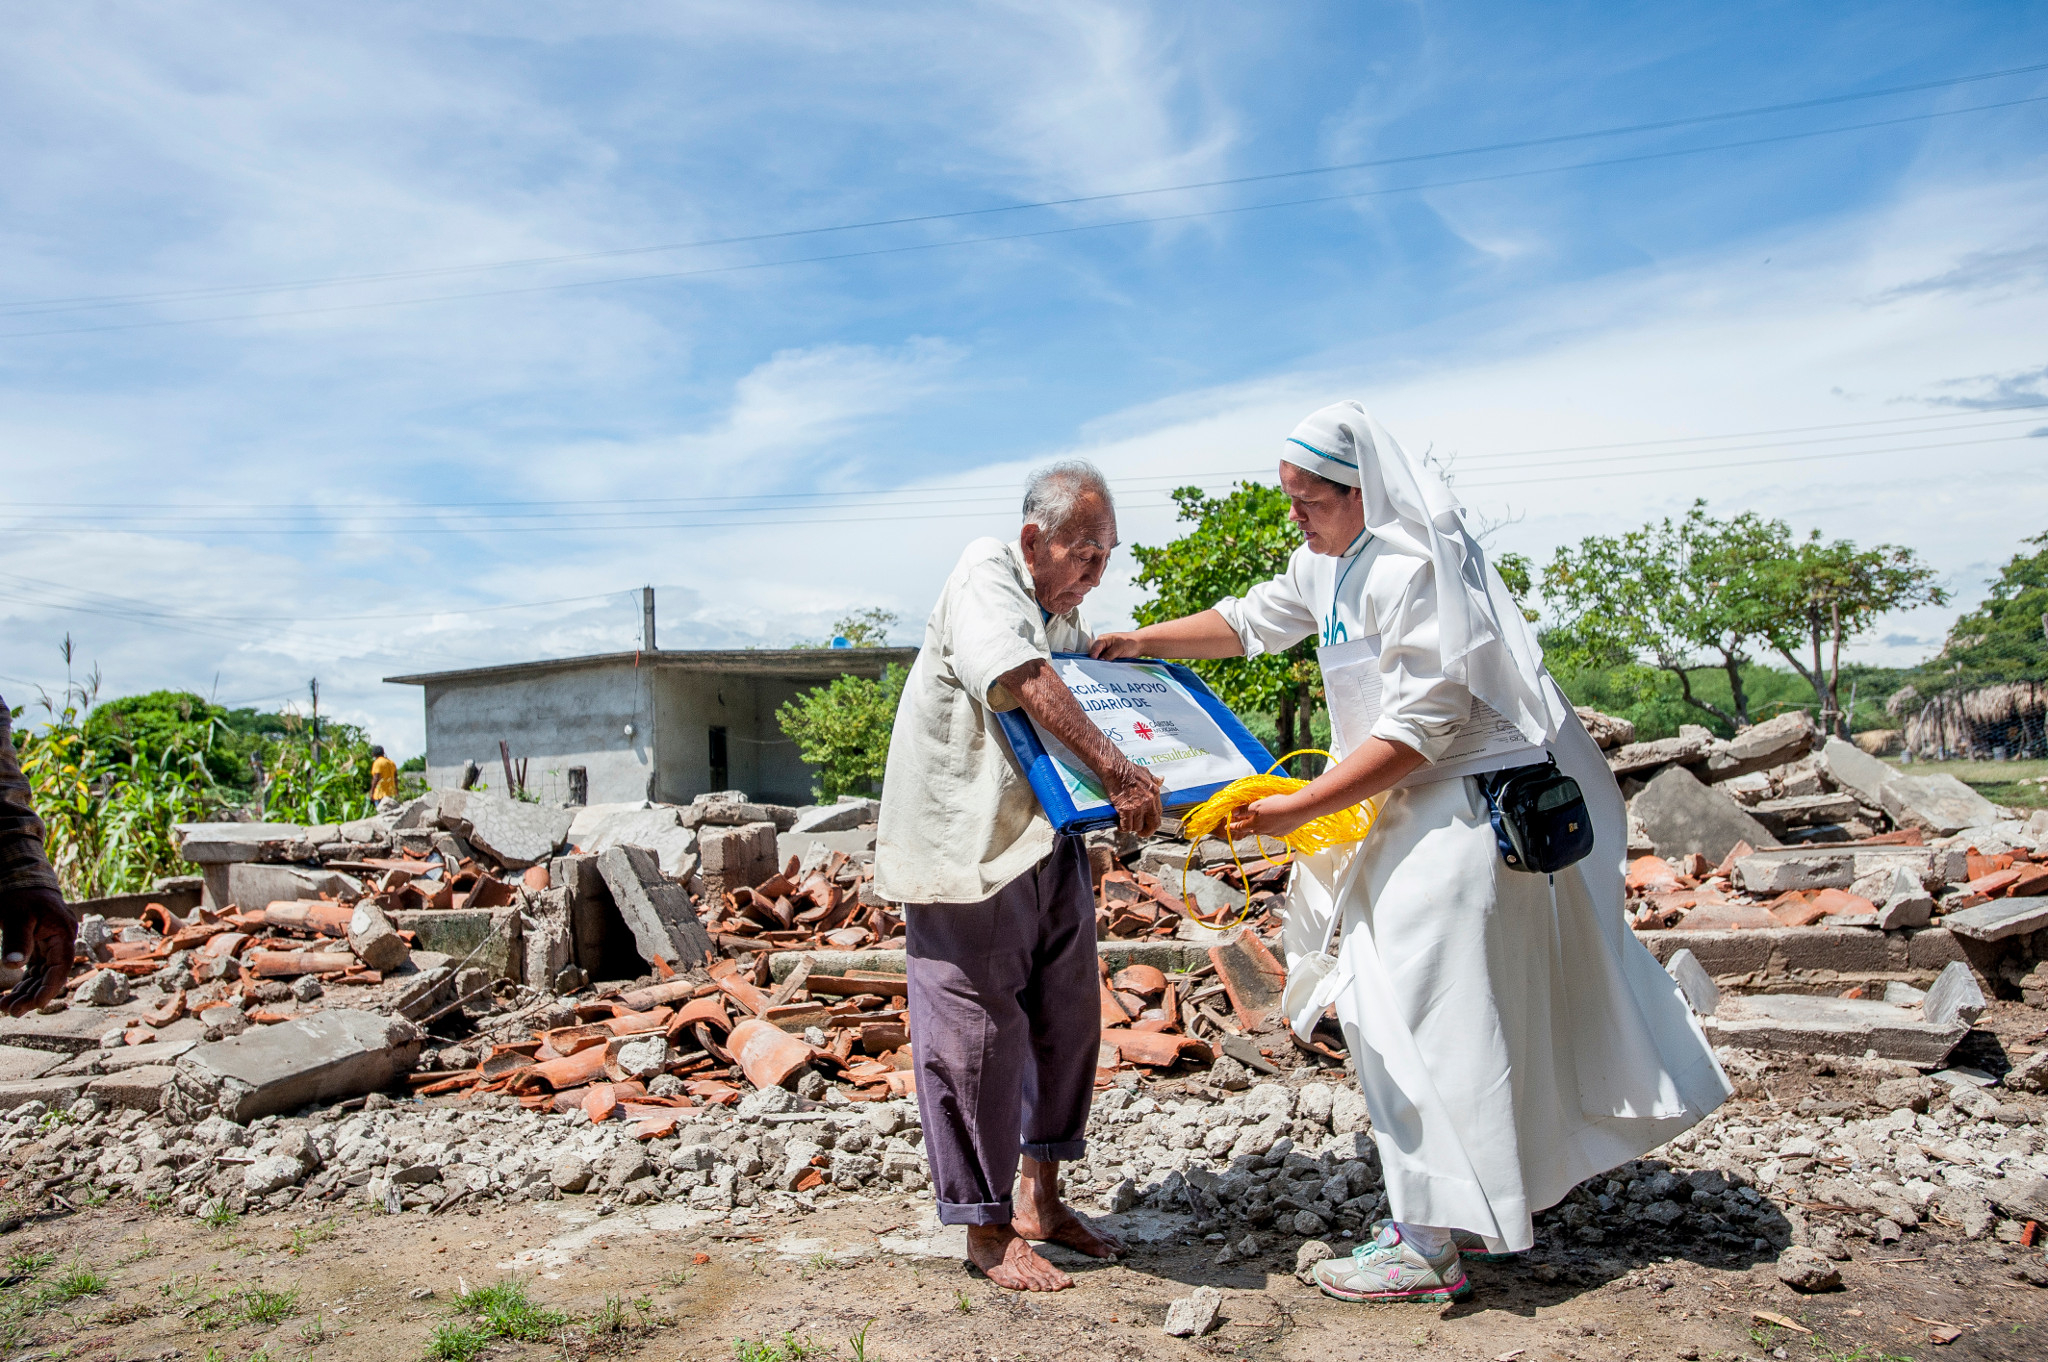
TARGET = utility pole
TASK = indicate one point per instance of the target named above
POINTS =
(314, 686)
(647, 619)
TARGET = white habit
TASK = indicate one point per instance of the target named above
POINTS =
(1511, 1035)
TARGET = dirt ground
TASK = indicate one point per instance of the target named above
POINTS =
(664, 1282)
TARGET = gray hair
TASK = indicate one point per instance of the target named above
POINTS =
(1054, 491)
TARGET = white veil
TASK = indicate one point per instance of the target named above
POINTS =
(1487, 645)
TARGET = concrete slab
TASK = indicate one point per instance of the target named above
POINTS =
(18, 1065)
(63, 1033)
(252, 885)
(1759, 747)
(658, 911)
(128, 907)
(656, 829)
(1683, 816)
(1999, 919)
(798, 844)
(1935, 867)
(227, 843)
(845, 816)
(140, 1088)
(516, 833)
(52, 1092)
(322, 1058)
(1796, 1024)
(1939, 803)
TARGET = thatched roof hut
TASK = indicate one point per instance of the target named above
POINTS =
(2009, 719)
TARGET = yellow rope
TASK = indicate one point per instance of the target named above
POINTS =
(1318, 834)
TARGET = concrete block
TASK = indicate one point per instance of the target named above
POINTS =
(656, 910)
(1934, 947)
(845, 816)
(1759, 747)
(1690, 746)
(140, 1087)
(1719, 953)
(546, 935)
(253, 886)
(1694, 981)
(1681, 816)
(1845, 951)
(655, 828)
(591, 910)
(374, 938)
(458, 931)
(1792, 1023)
(1939, 803)
(1765, 875)
(1999, 919)
(1935, 867)
(227, 843)
(732, 857)
(271, 1069)
(1955, 997)
(515, 833)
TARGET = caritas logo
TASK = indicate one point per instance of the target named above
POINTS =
(1144, 730)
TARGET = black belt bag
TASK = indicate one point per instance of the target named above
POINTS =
(1539, 817)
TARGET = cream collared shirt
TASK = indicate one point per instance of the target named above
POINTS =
(959, 820)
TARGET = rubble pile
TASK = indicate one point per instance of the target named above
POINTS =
(1776, 828)
(1255, 1171)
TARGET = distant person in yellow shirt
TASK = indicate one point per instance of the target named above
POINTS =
(383, 776)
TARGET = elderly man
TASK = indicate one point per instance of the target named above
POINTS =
(1005, 1014)
(38, 927)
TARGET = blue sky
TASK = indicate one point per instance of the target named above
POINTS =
(327, 334)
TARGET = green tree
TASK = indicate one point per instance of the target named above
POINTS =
(2004, 639)
(1676, 597)
(843, 730)
(1239, 540)
(867, 628)
(1823, 594)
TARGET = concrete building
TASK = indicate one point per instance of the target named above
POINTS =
(648, 724)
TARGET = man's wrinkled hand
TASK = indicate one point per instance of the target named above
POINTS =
(1134, 793)
(38, 935)
(1115, 647)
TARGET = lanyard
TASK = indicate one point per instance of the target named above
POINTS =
(1334, 631)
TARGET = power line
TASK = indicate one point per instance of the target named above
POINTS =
(950, 494)
(45, 306)
(559, 522)
(959, 506)
(1070, 230)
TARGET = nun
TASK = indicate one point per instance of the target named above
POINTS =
(1511, 1036)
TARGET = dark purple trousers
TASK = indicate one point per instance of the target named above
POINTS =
(1005, 1021)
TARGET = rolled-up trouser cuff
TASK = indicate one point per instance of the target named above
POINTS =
(1061, 1152)
(976, 1213)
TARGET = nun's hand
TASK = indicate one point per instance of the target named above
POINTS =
(1273, 816)
(1114, 647)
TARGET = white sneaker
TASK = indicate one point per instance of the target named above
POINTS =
(1389, 1268)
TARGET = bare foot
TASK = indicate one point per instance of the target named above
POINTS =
(1010, 1262)
(1042, 1215)
(1055, 1222)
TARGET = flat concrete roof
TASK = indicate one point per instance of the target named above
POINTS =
(790, 664)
